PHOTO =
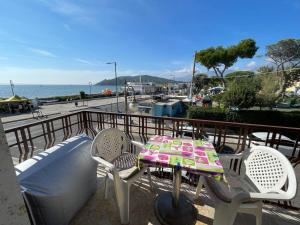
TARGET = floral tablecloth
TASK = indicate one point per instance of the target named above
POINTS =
(195, 156)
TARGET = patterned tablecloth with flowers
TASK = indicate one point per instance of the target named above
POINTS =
(195, 156)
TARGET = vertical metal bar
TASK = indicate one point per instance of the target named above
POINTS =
(49, 134)
(19, 145)
(85, 124)
(25, 144)
(31, 142)
(244, 139)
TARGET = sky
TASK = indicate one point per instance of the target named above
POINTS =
(69, 42)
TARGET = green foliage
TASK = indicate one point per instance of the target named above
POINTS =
(267, 95)
(241, 93)
(219, 98)
(265, 69)
(289, 119)
(200, 81)
(82, 95)
(239, 74)
(285, 54)
(220, 58)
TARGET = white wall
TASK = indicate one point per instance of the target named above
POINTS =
(12, 207)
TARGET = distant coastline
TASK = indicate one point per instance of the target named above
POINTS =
(32, 91)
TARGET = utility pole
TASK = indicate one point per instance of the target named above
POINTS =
(193, 75)
(125, 96)
(12, 87)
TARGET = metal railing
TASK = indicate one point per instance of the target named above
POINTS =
(227, 137)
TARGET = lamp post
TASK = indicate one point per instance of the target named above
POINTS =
(133, 106)
(116, 78)
(90, 85)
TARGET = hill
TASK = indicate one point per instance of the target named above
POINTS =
(144, 78)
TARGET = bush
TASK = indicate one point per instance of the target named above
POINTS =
(241, 93)
(82, 95)
(267, 117)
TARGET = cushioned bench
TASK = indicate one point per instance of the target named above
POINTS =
(57, 182)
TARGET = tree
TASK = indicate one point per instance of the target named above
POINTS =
(265, 69)
(239, 74)
(285, 54)
(220, 58)
(267, 95)
(82, 96)
(201, 81)
(241, 93)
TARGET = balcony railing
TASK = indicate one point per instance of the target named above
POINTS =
(24, 141)
(227, 137)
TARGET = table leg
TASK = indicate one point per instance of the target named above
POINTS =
(175, 208)
(176, 186)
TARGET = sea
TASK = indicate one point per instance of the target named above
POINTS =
(43, 91)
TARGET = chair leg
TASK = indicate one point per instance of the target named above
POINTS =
(199, 186)
(224, 214)
(258, 214)
(123, 198)
(150, 179)
(106, 187)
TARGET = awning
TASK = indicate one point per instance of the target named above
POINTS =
(14, 99)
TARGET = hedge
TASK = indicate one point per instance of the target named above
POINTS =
(266, 117)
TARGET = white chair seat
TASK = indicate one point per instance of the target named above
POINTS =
(224, 191)
(128, 173)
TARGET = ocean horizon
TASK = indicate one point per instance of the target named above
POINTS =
(50, 90)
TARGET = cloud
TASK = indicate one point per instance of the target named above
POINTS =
(42, 52)
(251, 64)
(268, 59)
(84, 61)
(68, 9)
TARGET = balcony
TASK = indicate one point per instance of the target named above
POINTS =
(31, 139)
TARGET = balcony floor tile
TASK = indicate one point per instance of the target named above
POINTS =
(104, 211)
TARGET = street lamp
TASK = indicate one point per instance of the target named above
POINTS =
(133, 106)
(116, 78)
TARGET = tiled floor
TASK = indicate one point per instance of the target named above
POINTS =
(100, 211)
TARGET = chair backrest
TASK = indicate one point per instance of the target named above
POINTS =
(269, 170)
(109, 144)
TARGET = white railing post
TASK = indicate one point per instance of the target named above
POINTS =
(12, 207)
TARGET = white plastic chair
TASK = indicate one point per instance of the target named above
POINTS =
(261, 173)
(110, 149)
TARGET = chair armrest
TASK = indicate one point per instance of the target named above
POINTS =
(104, 163)
(227, 158)
(230, 156)
(137, 144)
(279, 195)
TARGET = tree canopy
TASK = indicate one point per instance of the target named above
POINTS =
(220, 58)
(239, 74)
(285, 54)
(241, 93)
